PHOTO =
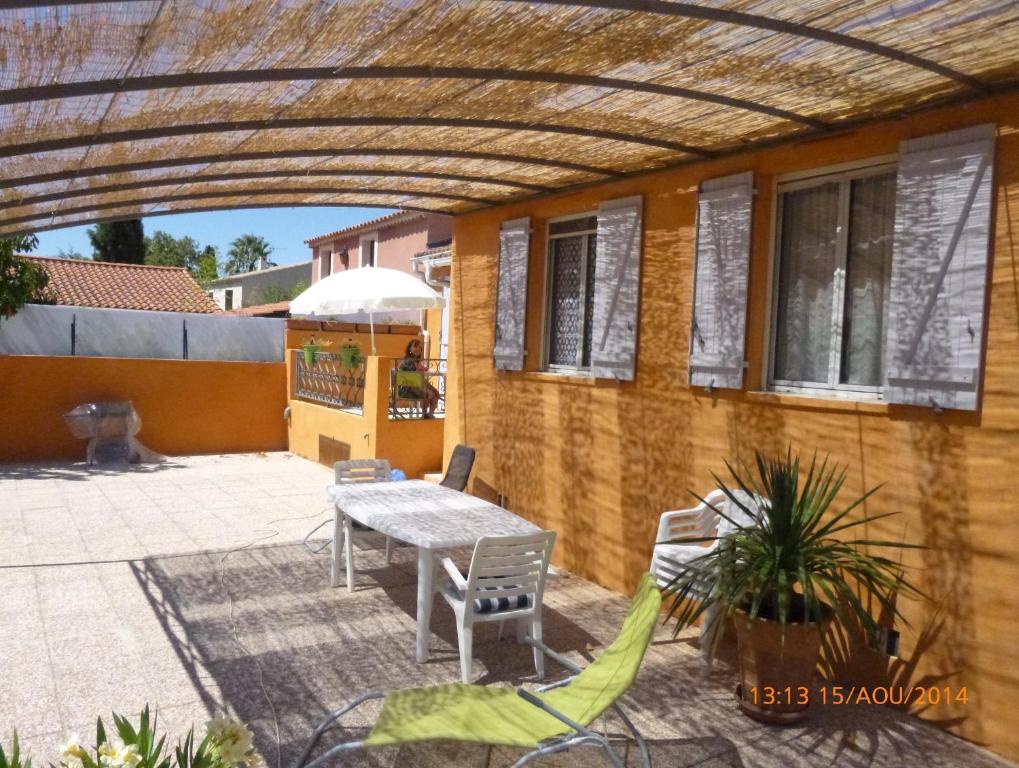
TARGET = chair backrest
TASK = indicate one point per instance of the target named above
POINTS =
(362, 471)
(610, 675)
(459, 469)
(410, 379)
(736, 514)
(510, 566)
(695, 521)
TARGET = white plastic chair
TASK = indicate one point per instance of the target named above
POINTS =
(356, 471)
(670, 560)
(506, 581)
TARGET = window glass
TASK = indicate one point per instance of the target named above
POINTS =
(571, 269)
(834, 269)
(868, 277)
(566, 300)
(808, 260)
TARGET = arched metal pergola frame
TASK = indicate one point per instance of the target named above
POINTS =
(54, 180)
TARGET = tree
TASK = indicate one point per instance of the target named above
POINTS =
(71, 253)
(119, 241)
(21, 281)
(245, 253)
(208, 265)
(164, 250)
(273, 293)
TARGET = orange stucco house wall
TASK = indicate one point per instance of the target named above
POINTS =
(599, 461)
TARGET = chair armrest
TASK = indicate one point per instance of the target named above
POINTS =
(530, 698)
(556, 657)
(454, 573)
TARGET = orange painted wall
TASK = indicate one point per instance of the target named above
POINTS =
(186, 406)
(413, 445)
(600, 461)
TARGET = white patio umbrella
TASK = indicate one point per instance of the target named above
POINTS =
(365, 289)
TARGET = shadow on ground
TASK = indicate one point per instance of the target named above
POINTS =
(262, 635)
(81, 471)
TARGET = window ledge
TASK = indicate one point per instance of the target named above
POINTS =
(580, 379)
(818, 403)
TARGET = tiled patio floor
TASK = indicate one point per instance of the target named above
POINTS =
(118, 588)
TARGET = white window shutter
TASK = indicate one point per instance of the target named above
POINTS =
(940, 266)
(721, 277)
(511, 295)
(616, 289)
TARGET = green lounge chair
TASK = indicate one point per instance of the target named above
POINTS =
(553, 719)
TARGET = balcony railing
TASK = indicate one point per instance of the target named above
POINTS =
(329, 381)
(410, 391)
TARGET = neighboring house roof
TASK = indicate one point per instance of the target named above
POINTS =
(382, 222)
(240, 277)
(262, 310)
(435, 252)
(81, 283)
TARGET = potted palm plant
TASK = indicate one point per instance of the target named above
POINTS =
(782, 575)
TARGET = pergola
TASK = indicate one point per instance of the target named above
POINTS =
(141, 107)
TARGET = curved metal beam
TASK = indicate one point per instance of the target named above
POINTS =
(738, 18)
(241, 175)
(692, 11)
(203, 209)
(166, 131)
(246, 193)
(242, 76)
(177, 162)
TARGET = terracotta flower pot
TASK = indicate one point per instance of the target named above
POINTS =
(776, 671)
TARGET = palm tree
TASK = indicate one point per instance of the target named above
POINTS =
(245, 253)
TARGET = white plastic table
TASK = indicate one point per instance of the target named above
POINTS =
(427, 516)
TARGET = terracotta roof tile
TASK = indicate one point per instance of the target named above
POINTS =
(81, 283)
(382, 222)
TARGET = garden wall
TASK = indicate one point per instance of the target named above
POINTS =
(186, 406)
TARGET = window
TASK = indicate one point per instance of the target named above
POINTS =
(572, 251)
(834, 247)
(370, 250)
(325, 261)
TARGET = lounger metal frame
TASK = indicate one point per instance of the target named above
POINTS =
(580, 736)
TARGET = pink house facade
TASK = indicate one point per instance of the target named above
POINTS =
(389, 241)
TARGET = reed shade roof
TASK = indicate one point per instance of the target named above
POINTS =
(139, 107)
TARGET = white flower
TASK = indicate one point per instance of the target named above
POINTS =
(119, 755)
(107, 754)
(73, 752)
(128, 755)
(232, 739)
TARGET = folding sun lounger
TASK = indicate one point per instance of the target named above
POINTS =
(553, 719)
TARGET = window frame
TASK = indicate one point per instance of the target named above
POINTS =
(843, 174)
(546, 334)
(372, 237)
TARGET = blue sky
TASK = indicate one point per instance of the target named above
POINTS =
(286, 229)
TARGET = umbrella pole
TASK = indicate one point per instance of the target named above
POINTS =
(371, 325)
